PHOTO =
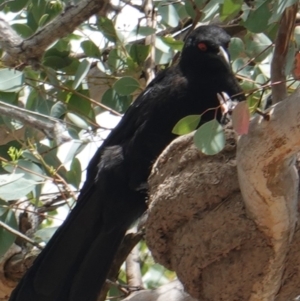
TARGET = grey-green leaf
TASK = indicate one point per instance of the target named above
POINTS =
(169, 14)
(126, 85)
(210, 138)
(6, 237)
(11, 80)
(186, 125)
(81, 72)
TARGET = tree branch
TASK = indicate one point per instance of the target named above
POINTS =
(285, 31)
(269, 183)
(151, 16)
(30, 50)
(50, 126)
(19, 234)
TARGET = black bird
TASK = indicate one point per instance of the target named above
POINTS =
(74, 264)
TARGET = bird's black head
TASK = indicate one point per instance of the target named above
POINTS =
(205, 58)
(206, 46)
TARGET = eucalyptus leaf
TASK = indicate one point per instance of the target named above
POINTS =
(90, 49)
(279, 8)
(45, 234)
(107, 28)
(114, 100)
(230, 8)
(14, 190)
(258, 19)
(168, 14)
(29, 170)
(58, 110)
(186, 125)
(78, 121)
(126, 85)
(81, 73)
(16, 6)
(210, 138)
(75, 172)
(143, 31)
(22, 29)
(6, 237)
(11, 80)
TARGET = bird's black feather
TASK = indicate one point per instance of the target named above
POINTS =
(75, 262)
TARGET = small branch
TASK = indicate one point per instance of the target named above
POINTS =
(285, 31)
(52, 127)
(128, 243)
(133, 268)
(149, 66)
(19, 234)
(30, 50)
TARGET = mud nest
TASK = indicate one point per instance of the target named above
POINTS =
(198, 226)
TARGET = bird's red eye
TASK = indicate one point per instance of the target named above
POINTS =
(202, 46)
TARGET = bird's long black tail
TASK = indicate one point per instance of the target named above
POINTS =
(75, 262)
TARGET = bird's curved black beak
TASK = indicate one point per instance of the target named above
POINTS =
(223, 53)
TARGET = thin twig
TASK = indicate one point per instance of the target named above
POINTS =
(19, 234)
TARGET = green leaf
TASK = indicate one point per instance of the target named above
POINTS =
(168, 14)
(51, 73)
(116, 101)
(236, 48)
(186, 125)
(161, 57)
(81, 72)
(257, 20)
(50, 157)
(143, 31)
(255, 45)
(211, 9)
(16, 6)
(11, 80)
(58, 110)
(174, 44)
(22, 29)
(279, 7)
(14, 186)
(38, 8)
(139, 53)
(126, 85)
(78, 121)
(90, 49)
(191, 9)
(80, 104)
(43, 20)
(73, 148)
(9, 97)
(6, 237)
(31, 22)
(74, 174)
(29, 170)
(45, 234)
(114, 61)
(107, 28)
(4, 206)
(230, 8)
(210, 138)
(57, 62)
